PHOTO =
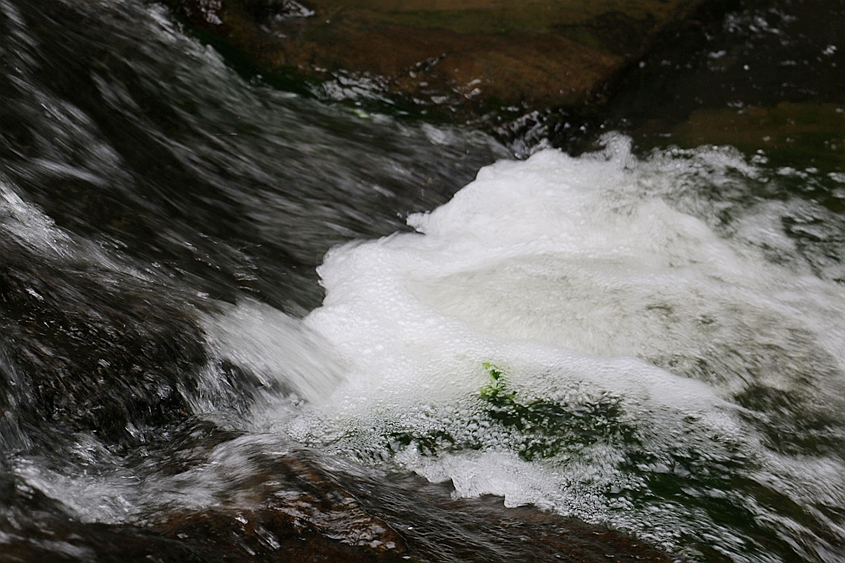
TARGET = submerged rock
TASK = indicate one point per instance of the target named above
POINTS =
(812, 131)
(296, 506)
(466, 57)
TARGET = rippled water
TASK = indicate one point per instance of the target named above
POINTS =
(221, 298)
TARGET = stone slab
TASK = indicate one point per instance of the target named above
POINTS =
(468, 56)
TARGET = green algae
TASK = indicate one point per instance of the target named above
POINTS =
(545, 426)
(533, 427)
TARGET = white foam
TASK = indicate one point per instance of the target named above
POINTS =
(566, 252)
(581, 279)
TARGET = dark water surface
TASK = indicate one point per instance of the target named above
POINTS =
(649, 348)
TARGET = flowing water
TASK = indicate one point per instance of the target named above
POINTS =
(203, 275)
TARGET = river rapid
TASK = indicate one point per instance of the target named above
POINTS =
(202, 275)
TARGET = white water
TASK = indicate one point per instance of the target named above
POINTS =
(651, 293)
(582, 279)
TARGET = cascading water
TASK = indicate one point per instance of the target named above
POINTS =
(653, 343)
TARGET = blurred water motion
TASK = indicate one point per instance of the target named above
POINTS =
(208, 353)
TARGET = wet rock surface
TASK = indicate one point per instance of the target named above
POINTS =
(299, 507)
(465, 57)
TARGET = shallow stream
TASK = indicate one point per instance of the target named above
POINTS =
(218, 297)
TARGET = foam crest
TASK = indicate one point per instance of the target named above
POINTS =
(568, 252)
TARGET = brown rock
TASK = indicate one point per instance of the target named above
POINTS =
(469, 56)
(297, 509)
(301, 507)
